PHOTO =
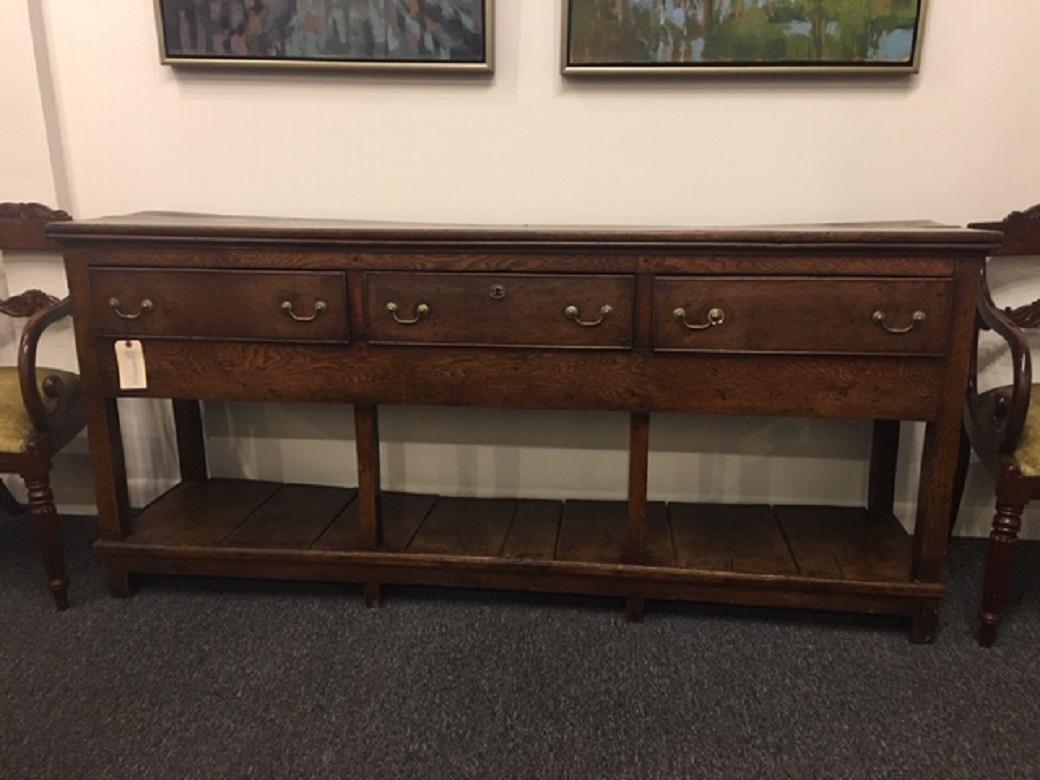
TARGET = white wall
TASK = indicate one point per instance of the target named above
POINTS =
(955, 143)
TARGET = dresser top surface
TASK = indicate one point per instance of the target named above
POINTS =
(174, 226)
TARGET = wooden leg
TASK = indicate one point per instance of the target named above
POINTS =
(1006, 524)
(924, 625)
(638, 467)
(960, 476)
(635, 608)
(884, 456)
(109, 467)
(934, 497)
(638, 456)
(48, 535)
(366, 432)
(121, 584)
(373, 595)
(191, 442)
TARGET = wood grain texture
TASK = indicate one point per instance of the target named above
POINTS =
(803, 314)
(500, 309)
(366, 440)
(465, 526)
(799, 341)
(534, 530)
(638, 469)
(23, 226)
(942, 436)
(402, 514)
(205, 513)
(797, 592)
(172, 227)
(104, 435)
(775, 385)
(730, 538)
(293, 518)
(191, 440)
(593, 531)
(210, 304)
(884, 457)
(660, 544)
(846, 543)
(933, 262)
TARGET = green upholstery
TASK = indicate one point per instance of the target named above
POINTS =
(1027, 456)
(15, 425)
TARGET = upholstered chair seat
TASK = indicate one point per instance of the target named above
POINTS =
(1027, 453)
(16, 427)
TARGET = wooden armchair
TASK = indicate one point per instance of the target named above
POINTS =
(1003, 424)
(40, 408)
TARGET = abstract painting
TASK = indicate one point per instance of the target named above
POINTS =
(392, 34)
(676, 36)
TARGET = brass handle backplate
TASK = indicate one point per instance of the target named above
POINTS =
(716, 316)
(319, 307)
(421, 311)
(574, 315)
(917, 317)
(146, 305)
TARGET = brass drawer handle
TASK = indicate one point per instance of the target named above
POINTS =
(146, 306)
(319, 307)
(422, 310)
(716, 316)
(572, 313)
(917, 317)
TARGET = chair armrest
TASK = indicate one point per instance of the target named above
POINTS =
(1009, 417)
(43, 408)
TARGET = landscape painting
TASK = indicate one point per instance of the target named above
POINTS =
(706, 35)
(414, 34)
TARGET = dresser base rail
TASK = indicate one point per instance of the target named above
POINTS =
(828, 558)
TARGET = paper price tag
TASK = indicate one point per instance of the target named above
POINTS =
(130, 361)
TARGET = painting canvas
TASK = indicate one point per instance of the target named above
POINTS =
(413, 34)
(603, 36)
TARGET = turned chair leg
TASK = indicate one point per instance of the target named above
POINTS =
(1006, 524)
(48, 534)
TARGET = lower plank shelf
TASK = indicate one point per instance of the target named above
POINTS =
(813, 557)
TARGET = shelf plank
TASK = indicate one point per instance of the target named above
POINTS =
(718, 537)
(660, 547)
(402, 514)
(593, 531)
(533, 532)
(293, 518)
(200, 513)
(846, 543)
(465, 526)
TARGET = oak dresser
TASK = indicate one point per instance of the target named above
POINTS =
(859, 321)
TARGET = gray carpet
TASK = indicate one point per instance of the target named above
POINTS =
(200, 678)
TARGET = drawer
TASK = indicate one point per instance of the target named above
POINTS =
(807, 314)
(262, 305)
(550, 310)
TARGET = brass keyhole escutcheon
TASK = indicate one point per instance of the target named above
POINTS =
(497, 292)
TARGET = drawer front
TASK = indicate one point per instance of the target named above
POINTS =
(500, 309)
(265, 305)
(810, 315)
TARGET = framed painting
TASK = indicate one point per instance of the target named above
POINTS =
(414, 35)
(603, 37)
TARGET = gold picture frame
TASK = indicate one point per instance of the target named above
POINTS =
(485, 64)
(568, 67)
